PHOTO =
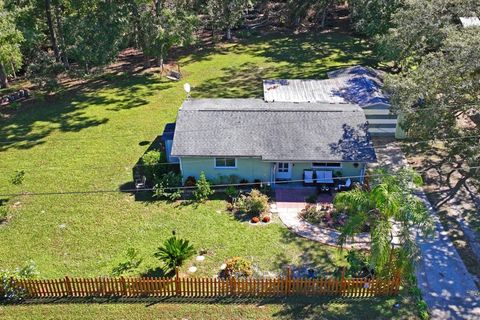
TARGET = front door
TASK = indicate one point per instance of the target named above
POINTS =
(284, 171)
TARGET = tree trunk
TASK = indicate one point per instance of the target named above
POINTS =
(136, 18)
(58, 15)
(324, 17)
(13, 70)
(158, 7)
(160, 63)
(147, 61)
(53, 37)
(229, 34)
(3, 76)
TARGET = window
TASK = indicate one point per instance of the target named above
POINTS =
(283, 167)
(225, 163)
(326, 165)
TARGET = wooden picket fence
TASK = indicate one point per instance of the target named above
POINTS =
(208, 287)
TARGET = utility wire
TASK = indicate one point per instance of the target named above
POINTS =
(77, 192)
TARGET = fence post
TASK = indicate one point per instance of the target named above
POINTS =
(177, 282)
(342, 282)
(397, 280)
(288, 281)
(233, 290)
(123, 285)
(68, 286)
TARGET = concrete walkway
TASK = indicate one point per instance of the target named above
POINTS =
(290, 201)
(448, 289)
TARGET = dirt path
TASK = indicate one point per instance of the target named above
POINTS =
(447, 287)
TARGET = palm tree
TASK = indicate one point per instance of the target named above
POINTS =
(389, 201)
(174, 252)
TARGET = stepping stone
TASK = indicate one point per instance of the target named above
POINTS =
(192, 269)
(62, 226)
(223, 266)
(200, 258)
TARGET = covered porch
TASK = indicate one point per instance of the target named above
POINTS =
(321, 174)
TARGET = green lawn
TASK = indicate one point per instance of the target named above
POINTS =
(90, 137)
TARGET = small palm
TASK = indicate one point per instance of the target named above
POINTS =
(174, 252)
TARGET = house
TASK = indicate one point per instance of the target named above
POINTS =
(270, 141)
(359, 85)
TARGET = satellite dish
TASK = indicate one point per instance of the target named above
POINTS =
(187, 87)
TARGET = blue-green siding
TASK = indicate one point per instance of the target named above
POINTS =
(254, 168)
(247, 168)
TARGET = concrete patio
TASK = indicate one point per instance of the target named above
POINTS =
(291, 200)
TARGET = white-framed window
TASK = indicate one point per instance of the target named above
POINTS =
(283, 167)
(225, 163)
(331, 165)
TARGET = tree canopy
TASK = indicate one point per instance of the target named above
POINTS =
(389, 201)
(10, 42)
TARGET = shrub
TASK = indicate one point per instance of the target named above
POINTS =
(311, 214)
(203, 189)
(167, 186)
(266, 190)
(231, 179)
(358, 262)
(3, 213)
(255, 220)
(12, 292)
(258, 183)
(174, 252)
(254, 202)
(238, 267)
(232, 193)
(243, 181)
(190, 182)
(312, 198)
(131, 263)
(152, 166)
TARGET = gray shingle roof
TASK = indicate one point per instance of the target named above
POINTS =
(272, 131)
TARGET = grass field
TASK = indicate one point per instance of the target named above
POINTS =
(89, 138)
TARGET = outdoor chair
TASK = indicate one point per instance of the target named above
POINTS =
(346, 186)
(320, 176)
(329, 177)
(174, 75)
(324, 177)
(308, 179)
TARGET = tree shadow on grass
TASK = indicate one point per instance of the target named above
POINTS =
(326, 262)
(295, 57)
(67, 112)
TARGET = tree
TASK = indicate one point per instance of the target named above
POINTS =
(373, 17)
(94, 34)
(51, 30)
(174, 252)
(10, 41)
(203, 189)
(226, 14)
(389, 200)
(161, 28)
(439, 98)
(318, 8)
